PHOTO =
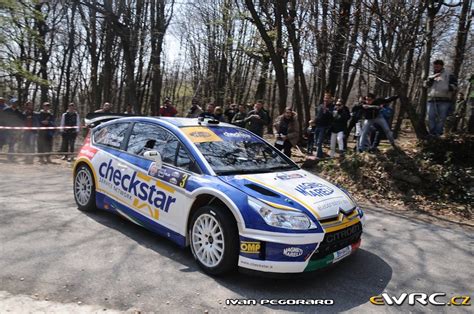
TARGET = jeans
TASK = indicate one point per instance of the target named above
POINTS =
(437, 113)
(29, 144)
(364, 136)
(340, 140)
(319, 134)
(376, 136)
(11, 138)
(69, 139)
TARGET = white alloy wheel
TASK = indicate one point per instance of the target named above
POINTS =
(208, 240)
(83, 187)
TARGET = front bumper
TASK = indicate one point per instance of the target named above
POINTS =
(265, 256)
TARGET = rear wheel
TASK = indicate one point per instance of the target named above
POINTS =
(84, 188)
(214, 240)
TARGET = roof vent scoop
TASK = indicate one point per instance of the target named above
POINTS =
(261, 190)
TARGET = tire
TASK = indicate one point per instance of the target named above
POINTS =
(84, 189)
(214, 240)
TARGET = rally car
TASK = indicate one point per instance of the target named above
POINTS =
(225, 192)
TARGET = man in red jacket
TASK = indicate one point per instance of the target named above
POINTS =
(167, 110)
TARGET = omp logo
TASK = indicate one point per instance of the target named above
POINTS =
(250, 247)
(293, 251)
(421, 298)
(137, 185)
(314, 189)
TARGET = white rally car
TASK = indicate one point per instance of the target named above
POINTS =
(223, 191)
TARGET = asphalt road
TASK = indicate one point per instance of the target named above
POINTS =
(53, 253)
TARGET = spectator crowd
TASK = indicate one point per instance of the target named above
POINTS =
(369, 120)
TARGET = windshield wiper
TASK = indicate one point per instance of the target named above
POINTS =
(240, 171)
(285, 167)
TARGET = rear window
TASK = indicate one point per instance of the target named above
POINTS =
(111, 135)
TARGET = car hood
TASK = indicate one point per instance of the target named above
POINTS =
(283, 189)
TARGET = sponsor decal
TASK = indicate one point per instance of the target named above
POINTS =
(285, 176)
(237, 135)
(153, 170)
(137, 188)
(200, 134)
(342, 234)
(314, 189)
(169, 175)
(250, 247)
(88, 152)
(292, 252)
(255, 264)
(339, 202)
(234, 135)
(421, 298)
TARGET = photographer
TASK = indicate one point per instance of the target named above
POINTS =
(372, 115)
(441, 85)
(195, 109)
(323, 120)
(286, 130)
(257, 119)
(341, 115)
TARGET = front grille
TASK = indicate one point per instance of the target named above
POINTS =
(334, 241)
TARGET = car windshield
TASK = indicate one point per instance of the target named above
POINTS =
(236, 151)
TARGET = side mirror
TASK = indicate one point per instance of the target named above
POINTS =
(153, 155)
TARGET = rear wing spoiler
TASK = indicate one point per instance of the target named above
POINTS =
(93, 119)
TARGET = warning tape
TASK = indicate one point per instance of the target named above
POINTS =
(39, 154)
(38, 127)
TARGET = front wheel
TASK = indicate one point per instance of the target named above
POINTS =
(214, 240)
(84, 189)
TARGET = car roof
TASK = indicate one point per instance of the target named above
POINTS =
(175, 121)
(186, 122)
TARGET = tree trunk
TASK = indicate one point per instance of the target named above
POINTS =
(275, 56)
(341, 33)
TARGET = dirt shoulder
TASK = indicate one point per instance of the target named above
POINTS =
(434, 178)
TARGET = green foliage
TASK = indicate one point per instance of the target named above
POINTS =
(15, 68)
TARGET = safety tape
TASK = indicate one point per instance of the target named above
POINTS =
(38, 127)
(39, 154)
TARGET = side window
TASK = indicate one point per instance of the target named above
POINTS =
(111, 135)
(182, 159)
(146, 137)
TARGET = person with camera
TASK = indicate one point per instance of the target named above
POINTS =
(286, 131)
(239, 117)
(257, 119)
(323, 120)
(341, 115)
(372, 115)
(441, 85)
(195, 109)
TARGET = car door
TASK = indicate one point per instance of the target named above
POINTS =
(161, 196)
(109, 169)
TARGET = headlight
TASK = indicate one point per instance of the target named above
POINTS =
(286, 219)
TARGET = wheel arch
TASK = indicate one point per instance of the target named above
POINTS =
(87, 162)
(210, 197)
